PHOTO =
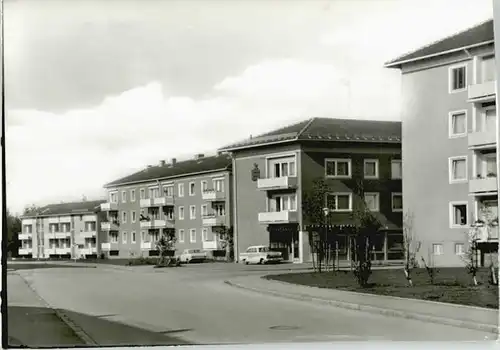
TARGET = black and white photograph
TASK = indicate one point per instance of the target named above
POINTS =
(261, 173)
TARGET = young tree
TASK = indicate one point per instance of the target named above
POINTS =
(410, 246)
(227, 241)
(166, 244)
(430, 268)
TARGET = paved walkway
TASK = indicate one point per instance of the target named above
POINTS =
(453, 315)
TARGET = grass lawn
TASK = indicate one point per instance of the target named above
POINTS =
(452, 285)
(28, 266)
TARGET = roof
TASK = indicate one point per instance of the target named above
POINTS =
(477, 35)
(73, 208)
(181, 168)
(327, 129)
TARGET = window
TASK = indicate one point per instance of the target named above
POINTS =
(124, 217)
(113, 197)
(219, 209)
(218, 185)
(372, 201)
(338, 168)
(286, 202)
(168, 191)
(181, 213)
(371, 168)
(490, 118)
(114, 238)
(143, 236)
(458, 78)
(181, 236)
(204, 186)
(459, 249)
(132, 195)
(339, 201)
(192, 235)
(181, 190)
(133, 237)
(397, 202)
(488, 68)
(458, 123)
(192, 212)
(490, 160)
(124, 240)
(458, 214)
(437, 249)
(154, 192)
(124, 196)
(142, 193)
(281, 168)
(133, 217)
(204, 210)
(204, 233)
(191, 188)
(458, 169)
(396, 169)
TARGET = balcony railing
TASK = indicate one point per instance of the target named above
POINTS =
(157, 202)
(29, 222)
(88, 234)
(58, 251)
(25, 236)
(88, 250)
(211, 245)
(109, 226)
(487, 184)
(109, 206)
(25, 251)
(278, 217)
(151, 224)
(109, 246)
(485, 233)
(214, 220)
(59, 235)
(148, 245)
(480, 139)
(213, 195)
(277, 183)
(482, 90)
(89, 218)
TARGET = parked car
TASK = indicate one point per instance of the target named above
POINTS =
(192, 255)
(260, 254)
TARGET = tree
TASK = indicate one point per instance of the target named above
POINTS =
(410, 246)
(227, 241)
(165, 245)
(14, 226)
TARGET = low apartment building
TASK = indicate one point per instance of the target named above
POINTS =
(64, 230)
(449, 117)
(189, 198)
(272, 173)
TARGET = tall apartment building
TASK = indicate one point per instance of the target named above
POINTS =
(449, 118)
(65, 230)
(190, 198)
(272, 172)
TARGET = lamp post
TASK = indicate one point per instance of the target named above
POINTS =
(326, 212)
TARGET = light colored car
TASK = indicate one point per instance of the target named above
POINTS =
(260, 254)
(192, 255)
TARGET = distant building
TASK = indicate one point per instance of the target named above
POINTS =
(189, 198)
(272, 172)
(64, 230)
(449, 118)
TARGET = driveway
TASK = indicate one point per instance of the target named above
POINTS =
(194, 304)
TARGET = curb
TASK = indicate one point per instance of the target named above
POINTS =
(374, 309)
(80, 333)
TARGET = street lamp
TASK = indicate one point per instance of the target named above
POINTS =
(326, 212)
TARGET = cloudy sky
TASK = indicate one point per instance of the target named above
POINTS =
(98, 89)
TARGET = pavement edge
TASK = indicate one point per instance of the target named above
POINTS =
(373, 309)
(87, 339)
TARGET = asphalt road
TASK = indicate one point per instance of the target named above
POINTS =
(193, 304)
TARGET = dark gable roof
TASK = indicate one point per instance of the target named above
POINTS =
(328, 129)
(74, 208)
(191, 166)
(478, 34)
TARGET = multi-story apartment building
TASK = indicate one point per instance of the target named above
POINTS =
(190, 198)
(449, 118)
(272, 173)
(64, 230)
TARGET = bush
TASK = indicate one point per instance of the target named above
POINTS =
(219, 253)
(142, 261)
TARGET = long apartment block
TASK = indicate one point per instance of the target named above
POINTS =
(449, 118)
(360, 160)
(64, 230)
(189, 198)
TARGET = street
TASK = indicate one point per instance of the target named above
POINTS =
(192, 304)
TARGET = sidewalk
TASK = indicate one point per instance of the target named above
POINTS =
(428, 311)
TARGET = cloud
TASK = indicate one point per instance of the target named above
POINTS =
(52, 157)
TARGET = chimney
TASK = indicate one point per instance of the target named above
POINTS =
(199, 156)
(173, 161)
(162, 163)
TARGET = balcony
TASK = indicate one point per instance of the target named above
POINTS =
(59, 235)
(109, 246)
(157, 224)
(109, 226)
(89, 218)
(25, 236)
(487, 184)
(87, 250)
(88, 234)
(29, 221)
(482, 139)
(278, 217)
(210, 245)
(213, 195)
(109, 206)
(482, 91)
(157, 202)
(58, 251)
(277, 183)
(214, 220)
(486, 234)
(148, 245)
(25, 251)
